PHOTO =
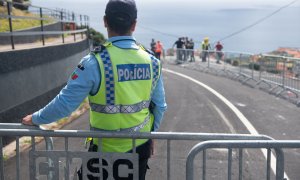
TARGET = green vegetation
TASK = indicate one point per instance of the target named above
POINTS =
(20, 23)
(97, 37)
(254, 66)
(5, 157)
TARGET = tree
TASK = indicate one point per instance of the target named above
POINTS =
(96, 37)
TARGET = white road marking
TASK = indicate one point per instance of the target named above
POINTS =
(238, 113)
(223, 117)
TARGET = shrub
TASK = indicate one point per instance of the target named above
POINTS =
(227, 60)
(97, 37)
(254, 66)
(235, 63)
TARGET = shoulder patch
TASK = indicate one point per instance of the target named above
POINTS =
(80, 66)
(98, 49)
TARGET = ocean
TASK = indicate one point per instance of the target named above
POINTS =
(167, 20)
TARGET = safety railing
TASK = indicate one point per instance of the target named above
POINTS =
(279, 75)
(69, 159)
(68, 22)
(48, 143)
(277, 146)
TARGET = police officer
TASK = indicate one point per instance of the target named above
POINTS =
(123, 83)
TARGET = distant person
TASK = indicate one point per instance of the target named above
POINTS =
(158, 49)
(124, 86)
(190, 48)
(179, 49)
(185, 47)
(219, 52)
(152, 45)
(205, 49)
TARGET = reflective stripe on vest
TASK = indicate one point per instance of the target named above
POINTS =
(109, 78)
(155, 67)
(132, 129)
(113, 109)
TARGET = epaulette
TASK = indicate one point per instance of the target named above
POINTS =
(147, 50)
(98, 49)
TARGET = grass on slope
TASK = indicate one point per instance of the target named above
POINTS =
(20, 23)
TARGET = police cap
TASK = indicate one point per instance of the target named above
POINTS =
(121, 11)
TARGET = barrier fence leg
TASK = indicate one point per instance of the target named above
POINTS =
(229, 163)
(1, 160)
(240, 164)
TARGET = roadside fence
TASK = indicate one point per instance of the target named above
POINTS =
(63, 162)
(276, 145)
(51, 23)
(278, 75)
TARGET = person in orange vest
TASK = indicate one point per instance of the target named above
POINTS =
(158, 49)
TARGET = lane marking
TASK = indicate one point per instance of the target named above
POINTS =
(237, 112)
(223, 117)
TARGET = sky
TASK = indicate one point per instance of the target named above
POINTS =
(177, 17)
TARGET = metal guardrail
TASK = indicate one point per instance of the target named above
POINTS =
(17, 131)
(48, 142)
(276, 74)
(240, 145)
(65, 18)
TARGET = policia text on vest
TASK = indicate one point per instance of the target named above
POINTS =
(129, 72)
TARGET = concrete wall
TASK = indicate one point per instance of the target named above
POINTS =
(5, 40)
(29, 79)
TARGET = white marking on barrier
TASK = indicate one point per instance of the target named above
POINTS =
(237, 112)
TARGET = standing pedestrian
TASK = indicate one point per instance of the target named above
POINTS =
(158, 49)
(219, 52)
(205, 49)
(179, 49)
(101, 76)
(152, 45)
(191, 45)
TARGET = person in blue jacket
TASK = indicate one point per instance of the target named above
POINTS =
(120, 21)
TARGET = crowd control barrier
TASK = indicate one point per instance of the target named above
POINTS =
(277, 146)
(65, 161)
(278, 75)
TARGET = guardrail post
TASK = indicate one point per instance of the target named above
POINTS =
(42, 26)
(208, 59)
(239, 64)
(81, 26)
(283, 73)
(252, 65)
(260, 66)
(74, 24)
(10, 24)
(62, 26)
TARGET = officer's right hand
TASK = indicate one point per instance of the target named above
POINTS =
(27, 120)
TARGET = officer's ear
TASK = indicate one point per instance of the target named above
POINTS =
(105, 21)
(132, 28)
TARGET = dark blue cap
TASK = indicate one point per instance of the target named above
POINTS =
(121, 11)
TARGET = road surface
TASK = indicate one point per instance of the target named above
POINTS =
(195, 107)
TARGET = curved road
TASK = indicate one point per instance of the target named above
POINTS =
(193, 108)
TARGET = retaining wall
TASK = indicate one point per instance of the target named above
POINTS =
(30, 78)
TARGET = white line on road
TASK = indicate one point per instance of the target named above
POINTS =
(238, 113)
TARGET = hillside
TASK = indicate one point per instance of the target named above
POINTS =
(20, 23)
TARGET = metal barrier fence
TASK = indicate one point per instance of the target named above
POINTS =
(70, 23)
(277, 74)
(241, 145)
(38, 168)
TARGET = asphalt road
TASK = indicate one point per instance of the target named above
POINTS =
(193, 108)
